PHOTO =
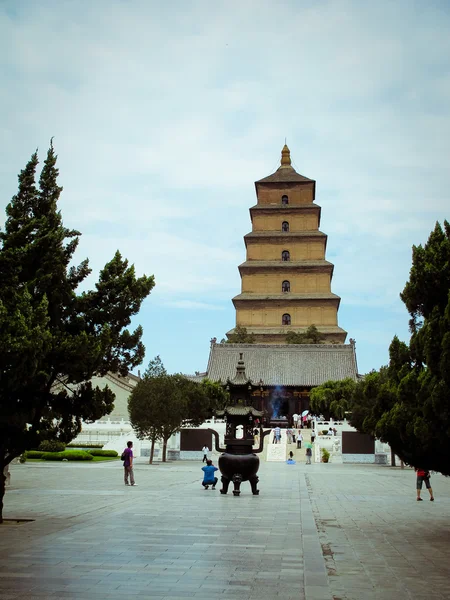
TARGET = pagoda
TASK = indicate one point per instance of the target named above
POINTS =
(286, 280)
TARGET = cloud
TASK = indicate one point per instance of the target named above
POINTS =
(191, 305)
(165, 115)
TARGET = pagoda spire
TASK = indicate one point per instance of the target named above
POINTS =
(285, 157)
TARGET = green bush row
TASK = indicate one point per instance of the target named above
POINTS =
(51, 446)
(111, 453)
(33, 454)
(68, 455)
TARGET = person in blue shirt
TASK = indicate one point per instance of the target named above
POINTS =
(209, 478)
(290, 460)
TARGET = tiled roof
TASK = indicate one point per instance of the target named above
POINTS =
(285, 175)
(196, 378)
(284, 365)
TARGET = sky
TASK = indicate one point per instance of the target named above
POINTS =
(164, 114)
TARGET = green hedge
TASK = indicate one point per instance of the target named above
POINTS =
(111, 453)
(52, 446)
(33, 454)
(68, 455)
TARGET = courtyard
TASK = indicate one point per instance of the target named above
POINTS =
(320, 532)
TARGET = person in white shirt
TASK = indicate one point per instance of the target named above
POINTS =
(330, 431)
(205, 451)
(295, 419)
(299, 438)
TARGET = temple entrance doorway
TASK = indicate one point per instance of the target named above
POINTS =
(279, 409)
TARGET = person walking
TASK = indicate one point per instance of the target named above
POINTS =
(205, 451)
(299, 439)
(308, 456)
(289, 435)
(295, 419)
(127, 457)
(208, 475)
(313, 436)
(423, 476)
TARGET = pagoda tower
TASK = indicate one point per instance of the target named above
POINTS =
(286, 281)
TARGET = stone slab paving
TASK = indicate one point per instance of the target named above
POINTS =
(377, 540)
(316, 532)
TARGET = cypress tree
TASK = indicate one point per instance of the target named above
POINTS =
(53, 339)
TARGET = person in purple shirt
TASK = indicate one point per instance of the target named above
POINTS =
(209, 478)
(128, 464)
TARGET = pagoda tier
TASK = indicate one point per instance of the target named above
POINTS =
(286, 280)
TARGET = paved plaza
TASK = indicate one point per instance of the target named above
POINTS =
(318, 532)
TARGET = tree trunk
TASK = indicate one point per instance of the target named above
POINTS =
(152, 451)
(392, 458)
(2, 489)
(164, 452)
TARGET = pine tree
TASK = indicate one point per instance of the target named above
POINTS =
(407, 404)
(53, 340)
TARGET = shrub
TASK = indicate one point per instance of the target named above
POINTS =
(68, 455)
(33, 454)
(325, 455)
(111, 453)
(51, 446)
(324, 431)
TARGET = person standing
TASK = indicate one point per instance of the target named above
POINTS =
(205, 451)
(209, 478)
(255, 436)
(299, 439)
(295, 419)
(313, 436)
(289, 435)
(423, 476)
(127, 457)
(277, 435)
(308, 456)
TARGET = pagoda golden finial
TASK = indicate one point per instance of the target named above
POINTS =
(285, 156)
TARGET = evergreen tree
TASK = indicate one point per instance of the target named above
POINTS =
(311, 336)
(407, 404)
(52, 339)
(332, 398)
(240, 335)
(160, 406)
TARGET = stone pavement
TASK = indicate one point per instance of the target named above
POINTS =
(316, 532)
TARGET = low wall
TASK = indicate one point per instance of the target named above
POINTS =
(191, 455)
(358, 458)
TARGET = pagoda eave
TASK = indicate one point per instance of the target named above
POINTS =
(287, 297)
(285, 302)
(285, 235)
(261, 266)
(277, 335)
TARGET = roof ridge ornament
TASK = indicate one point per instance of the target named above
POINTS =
(285, 157)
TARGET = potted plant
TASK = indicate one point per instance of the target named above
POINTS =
(325, 455)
